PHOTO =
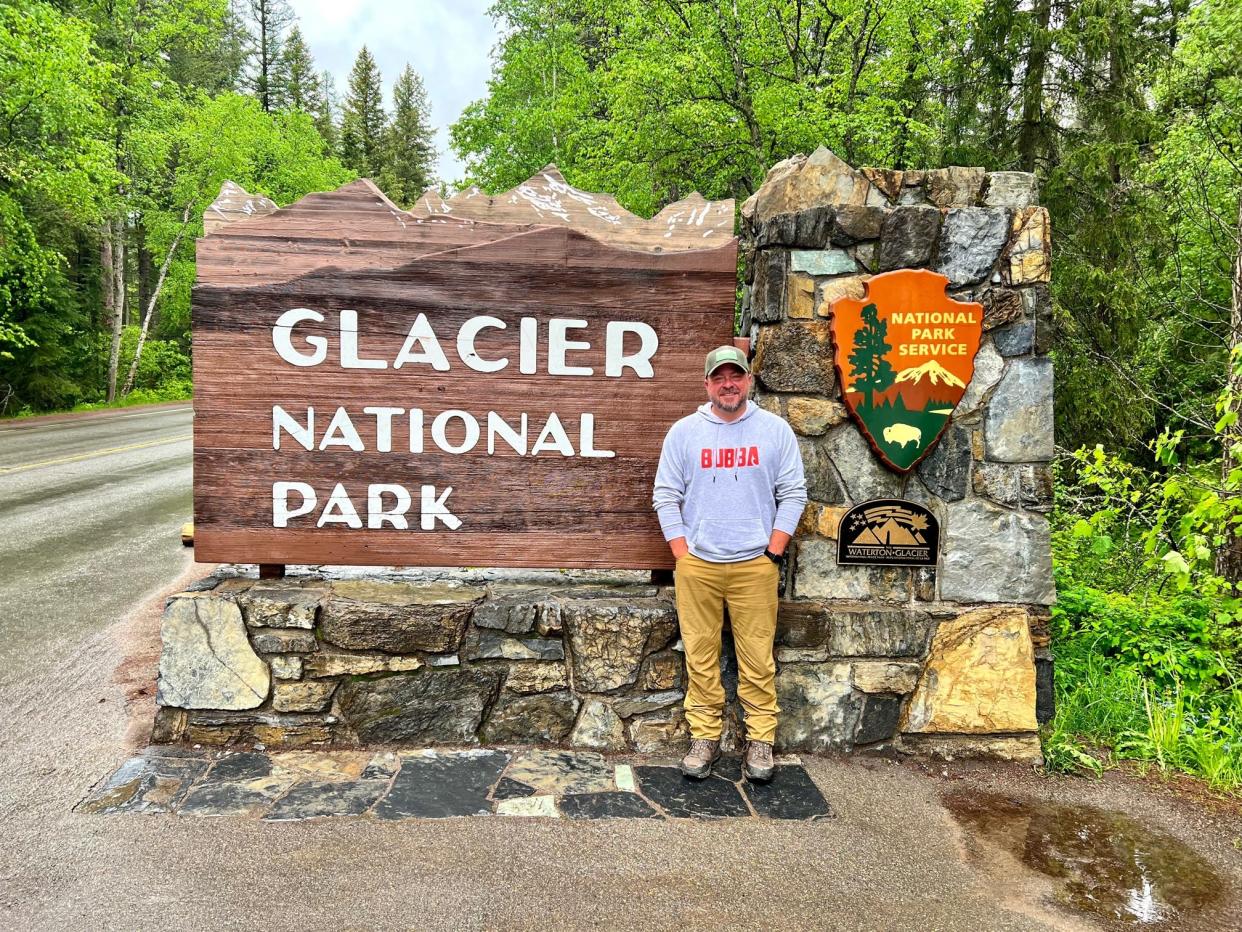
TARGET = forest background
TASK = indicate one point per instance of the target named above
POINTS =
(119, 120)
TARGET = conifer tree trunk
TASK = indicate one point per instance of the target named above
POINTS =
(1032, 127)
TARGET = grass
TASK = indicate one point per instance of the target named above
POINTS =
(178, 391)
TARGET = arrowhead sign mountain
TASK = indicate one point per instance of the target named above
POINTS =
(904, 353)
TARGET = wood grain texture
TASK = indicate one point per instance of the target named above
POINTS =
(352, 250)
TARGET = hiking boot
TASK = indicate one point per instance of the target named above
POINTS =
(698, 761)
(759, 765)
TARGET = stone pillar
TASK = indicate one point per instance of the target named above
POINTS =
(941, 660)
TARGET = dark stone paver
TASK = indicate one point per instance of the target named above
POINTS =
(791, 794)
(684, 798)
(436, 784)
(612, 805)
(251, 798)
(441, 785)
(246, 765)
(511, 789)
(327, 798)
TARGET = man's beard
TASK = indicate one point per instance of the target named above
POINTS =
(728, 407)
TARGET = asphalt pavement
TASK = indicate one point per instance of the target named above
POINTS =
(89, 514)
(90, 511)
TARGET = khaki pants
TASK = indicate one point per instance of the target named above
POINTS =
(749, 589)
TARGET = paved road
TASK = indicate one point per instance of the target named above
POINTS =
(90, 510)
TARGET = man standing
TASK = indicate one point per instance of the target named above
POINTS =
(729, 492)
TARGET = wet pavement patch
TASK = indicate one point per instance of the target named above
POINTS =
(435, 784)
(1103, 863)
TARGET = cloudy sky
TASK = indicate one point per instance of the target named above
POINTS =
(448, 42)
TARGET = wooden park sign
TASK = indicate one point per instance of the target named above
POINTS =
(904, 353)
(479, 381)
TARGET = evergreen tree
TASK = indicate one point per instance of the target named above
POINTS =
(299, 82)
(326, 109)
(363, 120)
(410, 154)
(871, 369)
(267, 21)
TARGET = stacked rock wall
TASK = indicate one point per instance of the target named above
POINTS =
(302, 662)
(947, 659)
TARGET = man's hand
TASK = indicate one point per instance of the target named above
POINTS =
(679, 547)
(778, 542)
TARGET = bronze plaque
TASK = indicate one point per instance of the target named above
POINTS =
(888, 532)
(376, 387)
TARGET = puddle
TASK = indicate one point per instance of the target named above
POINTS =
(1103, 863)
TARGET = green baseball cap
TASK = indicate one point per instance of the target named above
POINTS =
(725, 355)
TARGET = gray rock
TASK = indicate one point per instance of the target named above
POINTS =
(989, 366)
(599, 728)
(857, 223)
(545, 718)
(867, 255)
(608, 639)
(864, 476)
(971, 242)
(819, 709)
(428, 706)
(1037, 300)
(516, 614)
(802, 625)
(955, 186)
(1011, 189)
(275, 604)
(397, 617)
(767, 300)
(908, 237)
(813, 227)
(207, 661)
(286, 668)
(778, 230)
(946, 470)
(822, 262)
(822, 482)
(626, 706)
(1017, 339)
(1000, 482)
(882, 633)
(276, 641)
(487, 645)
(1018, 425)
(817, 575)
(1037, 491)
(796, 357)
(991, 555)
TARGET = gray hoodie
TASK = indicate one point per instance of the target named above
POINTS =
(725, 485)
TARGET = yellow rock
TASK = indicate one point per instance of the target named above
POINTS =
(1030, 247)
(808, 524)
(979, 677)
(801, 296)
(851, 286)
(187, 534)
(830, 519)
(813, 416)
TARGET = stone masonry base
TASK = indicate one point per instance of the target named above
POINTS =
(574, 660)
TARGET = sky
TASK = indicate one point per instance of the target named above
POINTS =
(448, 42)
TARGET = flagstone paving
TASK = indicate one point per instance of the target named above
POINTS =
(435, 784)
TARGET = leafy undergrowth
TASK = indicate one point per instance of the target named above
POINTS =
(169, 391)
(1148, 679)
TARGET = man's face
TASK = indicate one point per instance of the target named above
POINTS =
(727, 388)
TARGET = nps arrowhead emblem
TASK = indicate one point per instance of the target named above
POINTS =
(904, 353)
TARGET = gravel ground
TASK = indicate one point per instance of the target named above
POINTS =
(892, 859)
